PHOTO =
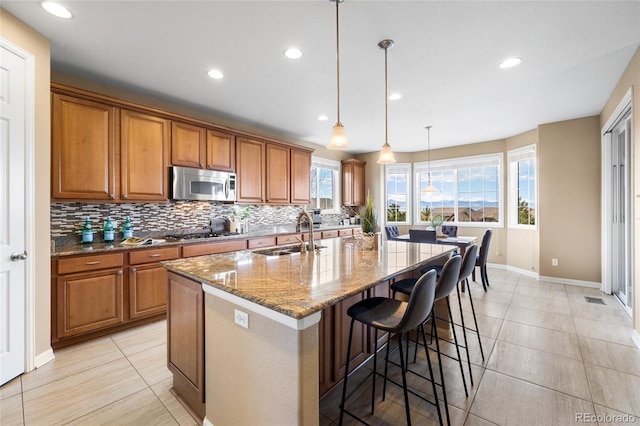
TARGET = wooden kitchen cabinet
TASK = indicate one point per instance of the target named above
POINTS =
(277, 174)
(300, 177)
(82, 149)
(198, 147)
(89, 301)
(144, 145)
(359, 349)
(221, 151)
(353, 185)
(250, 169)
(148, 281)
(185, 341)
(188, 145)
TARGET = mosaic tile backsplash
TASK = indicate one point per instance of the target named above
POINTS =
(67, 218)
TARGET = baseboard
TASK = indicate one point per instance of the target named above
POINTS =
(206, 422)
(635, 336)
(44, 357)
(568, 281)
(520, 271)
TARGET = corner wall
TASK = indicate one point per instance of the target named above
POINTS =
(26, 38)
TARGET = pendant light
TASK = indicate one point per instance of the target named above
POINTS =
(429, 188)
(386, 155)
(338, 139)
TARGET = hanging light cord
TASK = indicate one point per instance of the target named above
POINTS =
(428, 155)
(386, 99)
(338, 55)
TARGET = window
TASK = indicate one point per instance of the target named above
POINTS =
(397, 192)
(522, 187)
(469, 190)
(325, 184)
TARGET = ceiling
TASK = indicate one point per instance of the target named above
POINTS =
(444, 62)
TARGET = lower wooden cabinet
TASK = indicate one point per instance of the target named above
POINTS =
(185, 341)
(89, 301)
(342, 322)
(147, 290)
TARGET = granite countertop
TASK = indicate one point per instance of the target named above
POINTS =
(75, 248)
(301, 284)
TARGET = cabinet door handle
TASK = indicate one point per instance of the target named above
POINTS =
(112, 196)
(155, 255)
(134, 269)
(125, 196)
(120, 272)
(97, 262)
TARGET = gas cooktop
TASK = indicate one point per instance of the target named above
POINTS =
(198, 234)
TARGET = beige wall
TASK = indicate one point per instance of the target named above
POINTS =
(631, 79)
(16, 32)
(569, 199)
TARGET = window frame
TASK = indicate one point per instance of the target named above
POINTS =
(456, 164)
(335, 167)
(514, 156)
(406, 168)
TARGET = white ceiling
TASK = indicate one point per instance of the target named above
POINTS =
(444, 62)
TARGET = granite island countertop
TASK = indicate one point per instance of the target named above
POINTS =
(298, 285)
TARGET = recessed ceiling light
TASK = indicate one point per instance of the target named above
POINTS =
(215, 74)
(322, 117)
(293, 53)
(395, 96)
(56, 9)
(511, 62)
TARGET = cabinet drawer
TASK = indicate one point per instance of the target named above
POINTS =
(316, 236)
(89, 263)
(345, 232)
(330, 234)
(288, 239)
(156, 255)
(213, 248)
(262, 242)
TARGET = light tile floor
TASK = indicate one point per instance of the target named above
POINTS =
(549, 357)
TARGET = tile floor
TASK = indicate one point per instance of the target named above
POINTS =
(549, 357)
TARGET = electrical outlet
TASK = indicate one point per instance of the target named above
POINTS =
(554, 262)
(241, 318)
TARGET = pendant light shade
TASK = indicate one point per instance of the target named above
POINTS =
(338, 139)
(429, 189)
(386, 155)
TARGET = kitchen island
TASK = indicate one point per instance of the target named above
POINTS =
(262, 311)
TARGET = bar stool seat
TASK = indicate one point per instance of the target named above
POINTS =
(393, 316)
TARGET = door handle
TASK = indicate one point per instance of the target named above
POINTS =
(19, 256)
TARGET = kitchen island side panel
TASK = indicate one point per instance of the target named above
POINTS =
(265, 374)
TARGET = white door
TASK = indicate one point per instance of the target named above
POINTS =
(13, 104)
(621, 282)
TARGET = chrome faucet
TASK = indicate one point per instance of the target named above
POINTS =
(310, 220)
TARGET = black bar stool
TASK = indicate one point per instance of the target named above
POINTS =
(481, 259)
(394, 316)
(447, 281)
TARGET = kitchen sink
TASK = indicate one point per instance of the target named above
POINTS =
(282, 251)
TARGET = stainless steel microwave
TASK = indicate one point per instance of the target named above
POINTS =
(200, 184)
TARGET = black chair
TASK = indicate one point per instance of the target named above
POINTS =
(422, 236)
(481, 259)
(394, 317)
(447, 281)
(392, 232)
(450, 230)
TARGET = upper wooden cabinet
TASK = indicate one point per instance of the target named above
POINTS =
(194, 146)
(82, 149)
(300, 177)
(221, 151)
(144, 157)
(108, 149)
(187, 145)
(250, 168)
(353, 182)
(278, 174)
